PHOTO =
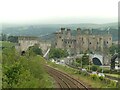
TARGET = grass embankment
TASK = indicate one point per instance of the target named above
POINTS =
(36, 67)
(0, 65)
(23, 71)
(87, 80)
(113, 75)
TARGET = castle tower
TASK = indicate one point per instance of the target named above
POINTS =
(68, 34)
(78, 31)
(78, 39)
(58, 40)
(63, 32)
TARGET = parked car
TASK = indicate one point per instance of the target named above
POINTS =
(83, 69)
(94, 73)
(101, 74)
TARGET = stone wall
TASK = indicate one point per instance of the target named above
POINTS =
(81, 42)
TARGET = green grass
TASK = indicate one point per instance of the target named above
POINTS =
(24, 71)
(85, 79)
(7, 44)
(114, 75)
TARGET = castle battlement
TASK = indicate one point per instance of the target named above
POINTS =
(81, 42)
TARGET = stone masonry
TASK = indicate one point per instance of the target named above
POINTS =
(81, 43)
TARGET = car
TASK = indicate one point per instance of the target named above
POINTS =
(101, 74)
(57, 62)
(94, 73)
(83, 69)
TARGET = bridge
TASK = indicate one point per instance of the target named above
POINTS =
(24, 42)
(97, 59)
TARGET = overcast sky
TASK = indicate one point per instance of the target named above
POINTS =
(58, 11)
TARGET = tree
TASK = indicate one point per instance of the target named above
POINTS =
(78, 60)
(3, 37)
(35, 50)
(13, 39)
(94, 68)
(113, 48)
(85, 59)
(58, 53)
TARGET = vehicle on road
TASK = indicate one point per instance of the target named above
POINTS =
(101, 74)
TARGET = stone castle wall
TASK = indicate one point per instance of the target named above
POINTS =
(81, 42)
(25, 42)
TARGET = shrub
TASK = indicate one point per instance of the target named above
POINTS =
(35, 50)
(84, 73)
(85, 59)
(106, 71)
(57, 53)
(113, 83)
(101, 78)
(99, 69)
(94, 68)
(94, 76)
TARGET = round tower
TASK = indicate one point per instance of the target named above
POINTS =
(78, 31)
(68, 34)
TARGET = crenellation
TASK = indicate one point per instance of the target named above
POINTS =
(82, 42)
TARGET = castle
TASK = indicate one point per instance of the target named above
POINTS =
(24, 42)
(81, 43)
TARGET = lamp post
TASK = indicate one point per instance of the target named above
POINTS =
(81, 63)
(102, 63)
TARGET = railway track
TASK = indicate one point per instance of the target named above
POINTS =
(64, 80)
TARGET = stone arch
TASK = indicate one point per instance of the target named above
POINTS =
(23, 52)
(96, 61)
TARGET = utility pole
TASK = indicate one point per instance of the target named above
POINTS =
(89, 64)
(81, 63)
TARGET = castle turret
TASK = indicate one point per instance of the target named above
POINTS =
(58, 40)
(78, 42)
(78, 31)
(62, 30)
(68, 33)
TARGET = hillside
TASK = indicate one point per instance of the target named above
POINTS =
(46, 31)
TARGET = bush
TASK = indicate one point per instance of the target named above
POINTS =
(110, 83)
(15, 77)
(94, 76)
(23, 72)
(94, 68)
(99, 69)
(101, 78)
(84, 73)
(35, 50)
(85, 59)
(57, 53)
(106, 71)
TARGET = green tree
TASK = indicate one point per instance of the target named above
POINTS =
(13, 39)
(57, 53)
(78, 60)
(35, 50)
(113, 48)
(85, 59)
(3, 37)
(94, 68)
(21, 71)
